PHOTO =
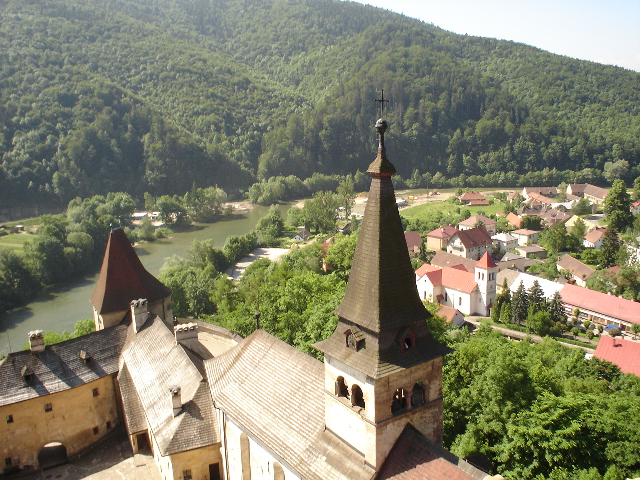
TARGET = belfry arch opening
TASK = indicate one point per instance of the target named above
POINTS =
(52, 455)
(418, 395)
(399, 401)
(357, 396)
(340, 388)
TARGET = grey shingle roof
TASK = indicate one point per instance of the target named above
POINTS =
(155, 363)
(275, 393)
(132, 407)
(59, 366)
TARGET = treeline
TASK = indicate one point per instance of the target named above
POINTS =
(117, 95)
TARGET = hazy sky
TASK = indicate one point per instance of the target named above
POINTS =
(604, 31)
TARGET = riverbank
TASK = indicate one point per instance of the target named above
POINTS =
(60, 307)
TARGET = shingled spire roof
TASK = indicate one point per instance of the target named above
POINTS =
(123, 277)
(381, 307)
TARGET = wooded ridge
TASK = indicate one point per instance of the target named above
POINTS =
(162, 95)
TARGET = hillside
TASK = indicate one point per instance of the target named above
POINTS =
(159, 95)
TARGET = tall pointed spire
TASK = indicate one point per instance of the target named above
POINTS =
(381, 303)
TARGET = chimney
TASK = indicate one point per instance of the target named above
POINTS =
(36, 341)
(176, 402)
(184, 332)
(139, 312)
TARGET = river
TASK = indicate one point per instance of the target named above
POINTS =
(60, 308)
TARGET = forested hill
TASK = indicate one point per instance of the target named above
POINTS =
(159, 95)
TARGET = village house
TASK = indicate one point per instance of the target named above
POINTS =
(525, 237)
(594, 238)
(471, 243)
(595, 195)
(451, 315)
(592, 221)
(414, 242)
(527, 192)
(599, 308)
(513, 219)
(621, 352)
(509, 261)
(504, 242)
(577, 270)
(552, 217)
(532, 251)
(437, 239)
(302, 234)
(473, 198)
(209, 405)
(469, 292)
(478, 220)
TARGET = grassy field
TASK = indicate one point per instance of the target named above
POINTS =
(14, 241)
(447, 207)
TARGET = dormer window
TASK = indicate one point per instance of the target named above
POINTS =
(354, 339)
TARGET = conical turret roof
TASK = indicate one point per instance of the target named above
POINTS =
(123, 277)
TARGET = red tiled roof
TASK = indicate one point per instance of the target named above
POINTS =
(413, 239)
(485, 262)
(414, 457)
(513, 219)
(469, 196)
(444, 232)
(620, 352)
(474, 237)
(595, 235)
(123, 277)
(446, 312)
(453, 278)
(474, 219)
(606, 304)
(541, 198)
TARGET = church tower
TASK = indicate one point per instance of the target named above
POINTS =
(382, 365)
(485, 272)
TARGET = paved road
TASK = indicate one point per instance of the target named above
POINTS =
(522, 335)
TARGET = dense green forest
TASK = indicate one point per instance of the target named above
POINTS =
(162, 95)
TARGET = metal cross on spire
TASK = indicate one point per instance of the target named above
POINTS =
(382, 102)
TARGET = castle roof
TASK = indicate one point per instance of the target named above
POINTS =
(59, 366)
(155, 363)
(275, 394)
(123, 277)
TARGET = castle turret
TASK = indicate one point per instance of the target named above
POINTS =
(123, 279)
(382, 366)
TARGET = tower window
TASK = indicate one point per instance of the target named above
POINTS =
(340, 388)
(357, 396)
(48, 407)
(95, 430)
(418, 395)
(9, 418)
(399, 401)
(95, 392)
(187, 474)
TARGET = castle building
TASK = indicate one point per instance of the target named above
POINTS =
(210, 405)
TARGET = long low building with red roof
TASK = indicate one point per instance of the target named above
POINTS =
(622, 353)
(600, 308)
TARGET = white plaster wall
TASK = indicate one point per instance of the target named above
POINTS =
(260, 459)
(162, 462)
(453, 297)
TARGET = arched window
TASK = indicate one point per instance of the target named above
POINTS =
(340, 388)
(244, 457)
(357, 396)
(418, 395)
(399, 401)
(348, 334)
